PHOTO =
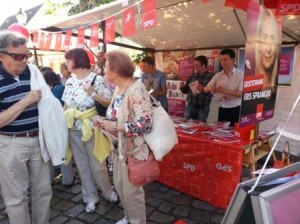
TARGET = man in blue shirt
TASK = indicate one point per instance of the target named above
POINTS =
(21, 162)
(154, 79)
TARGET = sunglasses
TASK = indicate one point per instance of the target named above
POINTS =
(18, 57)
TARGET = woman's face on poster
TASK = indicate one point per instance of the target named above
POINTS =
(267, 47)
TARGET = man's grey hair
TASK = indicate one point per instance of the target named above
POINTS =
(8, 39)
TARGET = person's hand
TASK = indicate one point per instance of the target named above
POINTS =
(107, 125)
(154, 94)
(199, 87)
(96, 121)
(88, 88)
(32, 97)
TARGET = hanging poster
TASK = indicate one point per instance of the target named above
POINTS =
(261, 65)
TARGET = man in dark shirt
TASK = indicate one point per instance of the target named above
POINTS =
(198, 102)
(21, 163)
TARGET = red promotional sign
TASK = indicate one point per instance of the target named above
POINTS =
(42, 41)
(240, 4)
(149, 14)
(67, 40)
(58, 42)
(149, 5)
(128, 22)
(48, 41)
(286, 7)
(94, 41)
(149, 19)
(35, 39)
(80, 37)
(253, 83)
(110, 34)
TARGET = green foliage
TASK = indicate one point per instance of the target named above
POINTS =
(136, 58)
(82, 6)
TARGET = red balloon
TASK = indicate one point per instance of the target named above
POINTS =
(91, 57)
(20, 29)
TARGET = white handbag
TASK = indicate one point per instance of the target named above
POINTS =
(163, 137)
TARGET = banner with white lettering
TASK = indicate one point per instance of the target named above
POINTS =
(287, 7)
(261, 65)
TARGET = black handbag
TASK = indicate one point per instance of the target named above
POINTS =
(101, 110)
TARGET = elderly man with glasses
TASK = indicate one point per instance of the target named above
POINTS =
(21, 161)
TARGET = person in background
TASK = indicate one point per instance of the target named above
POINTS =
(45, 69)
(79, 97)
(267, 48)
(198, 102)
(228, 84)
(154, 79)
(64, 73)
(129, 116)
(100, 62)
(57, 89)
(21, 156)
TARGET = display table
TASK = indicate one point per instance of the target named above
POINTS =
(204, 168)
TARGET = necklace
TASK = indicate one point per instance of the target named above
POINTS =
(126, 85)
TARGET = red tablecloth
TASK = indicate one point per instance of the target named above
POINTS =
(203, 168)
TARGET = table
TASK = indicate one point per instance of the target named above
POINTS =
(291, 130)
(203, 168)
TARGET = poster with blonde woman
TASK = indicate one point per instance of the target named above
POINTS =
(261, 65)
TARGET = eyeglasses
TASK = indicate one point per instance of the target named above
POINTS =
(18, 57)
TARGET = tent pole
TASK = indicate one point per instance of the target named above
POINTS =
(239, 22)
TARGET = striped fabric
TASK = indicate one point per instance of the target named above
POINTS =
(11, 91)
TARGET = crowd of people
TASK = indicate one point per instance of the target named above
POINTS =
(91, 139)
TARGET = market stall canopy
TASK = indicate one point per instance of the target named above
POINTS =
(181, 24)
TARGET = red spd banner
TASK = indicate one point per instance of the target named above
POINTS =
(286, 7)
(48, 41)
(42, 41)
(149, 18)
(80, 37)
(110, 34)
(58, 42)
(128, 22)
(94, 41)
(67, 40)
(35, 39)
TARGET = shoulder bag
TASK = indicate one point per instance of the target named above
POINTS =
(163, 137)
(141, 172)
(101, 110)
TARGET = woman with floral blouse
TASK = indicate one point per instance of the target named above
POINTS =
(128, 117)
(79, 97)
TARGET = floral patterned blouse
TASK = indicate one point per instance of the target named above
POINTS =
(134, 109)
(76, 97)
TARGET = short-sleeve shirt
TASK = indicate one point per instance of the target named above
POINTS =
(77, 98)
(234, 81)
(156, 81)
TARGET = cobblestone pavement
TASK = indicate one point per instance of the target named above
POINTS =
(164, 205)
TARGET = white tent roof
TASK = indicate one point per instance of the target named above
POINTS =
(181, 24)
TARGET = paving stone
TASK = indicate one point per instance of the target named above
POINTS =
(165, 207)
(216, 219)
(75, 211)
(154, 201)
(161, 218)
(77, 198)
(203, 205)
(89, 218)
(182, 200)
(200, 215)
(64, 195)
(182, 211)
(59, 220)
(55, 213)
(63, 205)
(104, 221)
(74, 222)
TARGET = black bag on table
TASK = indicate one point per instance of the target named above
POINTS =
(101, 110)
